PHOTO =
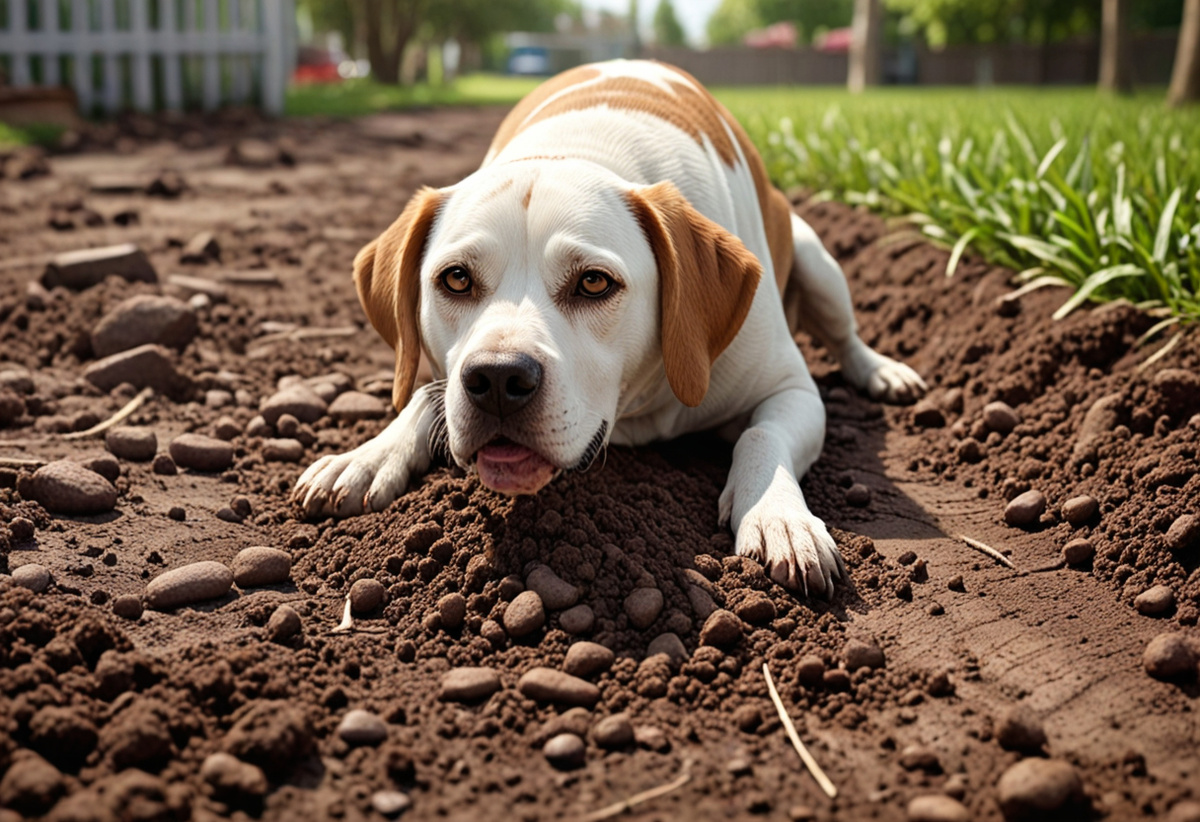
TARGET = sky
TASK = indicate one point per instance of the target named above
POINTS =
(692, 14)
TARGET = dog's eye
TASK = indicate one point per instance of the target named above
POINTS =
(456, 280)
(594, 284)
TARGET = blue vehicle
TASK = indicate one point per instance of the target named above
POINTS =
(529, 60)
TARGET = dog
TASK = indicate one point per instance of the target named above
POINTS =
(619, 270)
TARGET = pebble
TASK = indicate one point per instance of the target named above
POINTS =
(359, 727)
(651, 738)
(146, 319)
(258, 427)
(87, 267)
(226, 428)
(671, 645)
(613, 732)
(22, 529)
(1155, 601)
(230, 776)
(128, 442)
(366, 595)
(1184, 531)
(1184, 811)
(282, 450)
(859, 654)
(147, 366)
(1078, 551)
(164, 466)
(970, 450)
(588, 658)
(927, 414)
(1000, 417)
(1038, 788)
(201, 453)
(549, 685)
(524, 615)
(452, 608)
(354, 406)
(810, 670)
(936, 808)
(1102, 417)
(128, 606)
(32, 576)
(1025, 509)
(298, 400)
(65, 487)
(577, 620)
(1169, 656)
(284, 624)
(188, 584)
(201, 248)
(721, 629)
(12, 407)
(469, 684)
(920, 758)
(105, 465)
(1078, 510)
(390, 803)
(556, 593)
(565, 751)
(858, 495)
(1020, 729)
(18, 380)
(643, 607)
(259, 565)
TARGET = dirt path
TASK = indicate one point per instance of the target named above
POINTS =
(128, 711)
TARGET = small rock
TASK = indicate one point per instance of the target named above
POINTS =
(284, 624)
(105, 465)
(651, 738)
(359, 727)
(1169, 656)
(87, 267)
(191, 583)
(144, 320)
(556, 593)
(1078, 551)
(721, 629)
(452, 608)
(643, 607)
(187, 287)
(859, 654)
(12, 407)
(163, 465)
(469, 684)
(1078, 510)
(937, 808)
(201, 453)
(1184, 531)
(810, 670)
(17, 380)
(927, 414)
(565, 751)
(31, 786)
(549, 685)
(226, 428)
(1184, 811)
(254, 153)
(587, 658)
(1155, 601)
(970, 450)
(1038, 789)
(671, 645)
(366, 595)
(613, 732)
(32, 576)
(858, 495)
(258, 427)
(282, 450)
(577, 620)
(354, 406)
(65, 487)
(22, 529)
(286, 425)
(128, 606)
(129, 443)
(524, 615)
(298, 400)
(748, 718)
(259, 565)
(390, 804)
(1000, 417)
(1101, 418)
(230, 777)
(1020, 729)
(218, 398)
(201, 248)
(1025, 509)
(919, 757)
(147, 366)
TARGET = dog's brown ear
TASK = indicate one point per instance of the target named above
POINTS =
(387, 272)
(707, 280)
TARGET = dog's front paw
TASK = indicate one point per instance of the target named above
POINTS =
(366, 479)
(884, 378)
(793, 545)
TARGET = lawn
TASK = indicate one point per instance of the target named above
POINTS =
(355, 98)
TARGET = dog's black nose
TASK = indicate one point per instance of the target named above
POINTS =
(501, 384)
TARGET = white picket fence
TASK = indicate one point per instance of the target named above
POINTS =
(150, 54)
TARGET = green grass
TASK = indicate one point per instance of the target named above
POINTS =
(355, 98)
(1066, 186)
(13, 136)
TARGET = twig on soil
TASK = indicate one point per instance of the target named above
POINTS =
(983, 547)
(17, 462)
(347, 621)
(618, 808)
(1162, 352)
(805, 756)
(131, 406)
(306, 334)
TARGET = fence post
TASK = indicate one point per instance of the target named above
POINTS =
(168, 38)
(212, 56)
(81, 59)
(50, 51)
(239, 63)
(143, 91)
(18, 26)
(112, 61)
(274, 55)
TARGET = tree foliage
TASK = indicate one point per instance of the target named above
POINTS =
(667, 29)
(732, 21)
(810, 16)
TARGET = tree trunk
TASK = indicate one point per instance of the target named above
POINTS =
(1116, 71)
(388, 34)
(866, 46)
(1185, 78)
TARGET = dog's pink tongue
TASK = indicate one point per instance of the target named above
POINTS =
(513, 469)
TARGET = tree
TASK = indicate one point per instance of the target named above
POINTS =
(1185, 78)
(1116, 71)
(944, 22)
(732, 21)
(667, 29)
(386, 26)
(866, 46)
(809, 16)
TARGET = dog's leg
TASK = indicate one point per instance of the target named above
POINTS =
(371, 476)
(762, 501)
(821, 303)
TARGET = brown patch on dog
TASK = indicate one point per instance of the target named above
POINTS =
(497, 191)
(516, 118)
(528, 196)
(707, 280)
(387, 272)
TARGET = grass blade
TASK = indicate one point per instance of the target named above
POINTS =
(959, 247)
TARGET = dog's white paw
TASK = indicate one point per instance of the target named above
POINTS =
(366, 479)
(882, 377)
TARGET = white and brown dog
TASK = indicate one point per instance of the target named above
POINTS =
(601, 279)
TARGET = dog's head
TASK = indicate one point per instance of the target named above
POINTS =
(545, 293)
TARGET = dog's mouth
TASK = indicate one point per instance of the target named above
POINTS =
(511, 468)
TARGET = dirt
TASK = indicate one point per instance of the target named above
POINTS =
(106, 717)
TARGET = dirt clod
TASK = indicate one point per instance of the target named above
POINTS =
(1020, 729)
(859, 654)
(722, 629)
(231, 778)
